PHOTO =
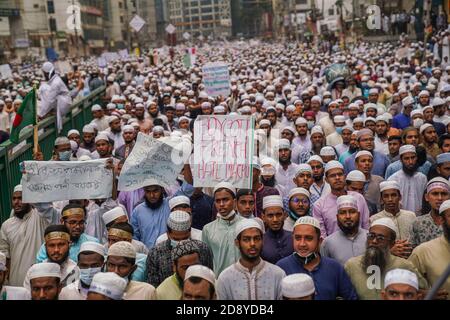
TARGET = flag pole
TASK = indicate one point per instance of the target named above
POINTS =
(36, 126)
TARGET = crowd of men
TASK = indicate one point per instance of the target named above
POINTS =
(350, 201)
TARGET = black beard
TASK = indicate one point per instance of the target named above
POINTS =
(60, 261)
(154, 205)
(25, 209)
(352, 150)
(348, 230)
(318, 178)
(180, 281)
(375, 256)
(268, 182)
(284, 162)
(154, 115)
(140, 117)
(410, 172)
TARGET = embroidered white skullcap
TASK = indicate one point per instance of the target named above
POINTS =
(219, 109)
(96, 107)
(111, 106)
(178, 200)
(373, 91)
(88, 129)
(390, 184)
(264, 122)
(300, 120)
(225, 185)
(128, 128)
(101, 136)
(91, 246)
(417, 111)
(44, 269)
(316, 129)
(272, 201)
(284, 144)
(443, 158)
(356, 176)
(18, 188)
(298, 191)
(84, 157)
(112, 118)
(437, 102)
(385, 222)
(339, 119)
(268, 161)
(426, 108)
(303, 167)
(407, 148)
(2, 261)
(358, 120)
(61, 140)
(401, 276)
(424, 93)
(179, 221)
(180, 106)
(308, 221)
(327, 151)
(290, 108)
(108, 284)
(122, 249)
(424, 127)
(369, 119)
(297, 285)
(353, 106)
(407, 101)
(438, 182)
(73, 131)
(333, 164)
(315, 158)
(158, 129)
(444, 206)
(381, 118)
(290, 129)
(363, 153)
(245, 224)
(113, 214)
(347, 201)
(316, 98)
(200, 271)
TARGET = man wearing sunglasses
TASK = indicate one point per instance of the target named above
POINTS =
(367, 271)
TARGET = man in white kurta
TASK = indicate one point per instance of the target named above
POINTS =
(412, 183)
(251, 278)
(22, 235)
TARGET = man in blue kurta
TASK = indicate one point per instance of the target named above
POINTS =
(73, 217)
(149, 219)
(403, 120)
(330, 279)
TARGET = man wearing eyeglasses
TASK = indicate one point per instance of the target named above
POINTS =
(73, 217)
(367, 271)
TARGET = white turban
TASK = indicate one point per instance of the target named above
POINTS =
(401, 276)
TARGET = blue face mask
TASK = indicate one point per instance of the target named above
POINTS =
(86, 275)
(120, 106)
(310, 124)
(339, 130)
(64, 156)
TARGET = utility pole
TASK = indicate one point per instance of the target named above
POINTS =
(74, 15)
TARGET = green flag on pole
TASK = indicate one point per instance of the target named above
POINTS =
(25, 116)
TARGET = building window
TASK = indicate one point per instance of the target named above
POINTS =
(52, 24)
(121, 19)
(50, 7)
(120, 5)
(36, 6)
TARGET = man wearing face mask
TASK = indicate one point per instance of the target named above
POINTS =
(91, 259)
(62, 150)
(335, 138)
(121, 260)
(329, 276)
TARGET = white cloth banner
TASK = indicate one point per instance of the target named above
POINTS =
(216, 78)
(223, 151)
(154, 161)
(5, 71)
(47, 181)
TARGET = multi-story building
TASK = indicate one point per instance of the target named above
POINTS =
(252, 18)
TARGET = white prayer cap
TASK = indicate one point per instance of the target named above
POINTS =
(91, 246)
(84, 157)
(443, 158)
(424, 93)
(61, 141)
(111, 106)
(268, 161)
(44, 269)
(178, 200)
(128, 128)
(349, 128)
(437, 102)
(358, 120)
(308, 221)
(112, 118)
(96, 107)
(272, 201)
(385, 222)
(327, 151)
(73, 131)
(316, 129)
(300, 120)
(280, 106)
(315, 158)
(113, 214)
(284, 144)
(290, 129)
(219, 109)
(47, 67)
(401, 276)
(317, 99)
(245, 224)
(444, 206)
(18, 188)
(438, 182)
(424, 127)
(122, 249)
(298, 191)
(370, 106)
(390, 184)
(407, 148)
(369, 119)
(407, 101)
(290, 108)
(2, 261)
(108, 284)
(333, 164)
(179, 221)
(363, 153)
(426, 108)
(373, 91)
(381, 118)
(158, 129)
(347, 201)
(353, 106)
(303, 167)
(199, 271)
(225, 185)
(88, 129)
(101, 136)
(297, 285)
(356, 176)
(415, 112)
(339, 119)
(184, 118)
(264, 122)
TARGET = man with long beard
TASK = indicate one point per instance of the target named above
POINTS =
(367, 271)
(350, 240)
(431, 258)
(412, 182)
(250, 278)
